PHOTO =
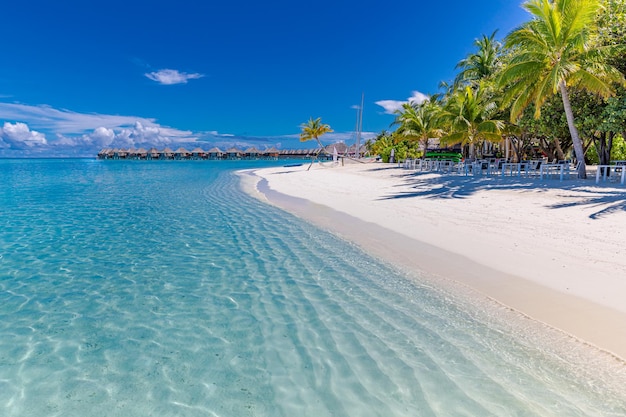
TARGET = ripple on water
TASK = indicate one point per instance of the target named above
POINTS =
(135, 289)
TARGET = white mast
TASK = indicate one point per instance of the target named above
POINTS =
(359, 129)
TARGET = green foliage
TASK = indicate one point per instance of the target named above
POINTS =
(618, 151)
(572, 46)
(482, 64)
(614, 114)
(385, 142)
(419, 123)
(470, 117)
(313, 129)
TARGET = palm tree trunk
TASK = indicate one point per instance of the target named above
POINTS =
(317, 154)
(578, 145)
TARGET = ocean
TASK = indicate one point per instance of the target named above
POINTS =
(160, 288)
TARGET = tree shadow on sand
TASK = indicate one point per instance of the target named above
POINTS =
(608, 199)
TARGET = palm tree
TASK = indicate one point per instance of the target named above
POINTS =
(552, 53)
(313, 129)
(470, 115)
(419, 122)
(482, 64)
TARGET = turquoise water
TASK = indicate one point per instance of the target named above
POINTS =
(161, 289)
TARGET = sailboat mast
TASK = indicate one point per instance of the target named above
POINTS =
(359, 129)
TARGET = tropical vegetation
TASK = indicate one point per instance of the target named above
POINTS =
(553, 87)
(312, 130)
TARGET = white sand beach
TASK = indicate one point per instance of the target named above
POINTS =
(554, 251)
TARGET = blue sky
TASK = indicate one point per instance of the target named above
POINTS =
(77, 76)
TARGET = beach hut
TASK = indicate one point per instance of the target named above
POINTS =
(232, 153)
(104, 153)
(198, 153)
(215, 153)
(272, 153)
(141, 153)
(341, 147)
(251, 153)
(120, 153)
(181, 153)
(352, 151)
(167, 153)
(152, 153)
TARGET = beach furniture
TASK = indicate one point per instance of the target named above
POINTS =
(548, 170)
(612, 173)
(515, 168)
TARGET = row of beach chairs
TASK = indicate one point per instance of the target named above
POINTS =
(538, 168)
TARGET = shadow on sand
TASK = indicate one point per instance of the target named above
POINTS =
(607, 199)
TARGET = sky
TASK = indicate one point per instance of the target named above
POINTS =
(77, 76)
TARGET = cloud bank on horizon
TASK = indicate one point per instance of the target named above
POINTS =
(46, 131)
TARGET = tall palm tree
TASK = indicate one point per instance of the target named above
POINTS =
(313, 129)
(470, 114)
(419, 122)
(481, 64)
(552, 53)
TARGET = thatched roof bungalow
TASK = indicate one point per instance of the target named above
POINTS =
(167, 153)
(232, 153)
(152, 153)
(251, 153)
(198, 153)
(272, 153)
(214, 153)
(181, 153)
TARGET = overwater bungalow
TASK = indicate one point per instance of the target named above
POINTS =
(181, 153)
(214, 153)
(251, 153)
(272, 153)
(198, 153)
(141, 153)
(167, 153)
(104, 153)
(232, 153)
(120, 153)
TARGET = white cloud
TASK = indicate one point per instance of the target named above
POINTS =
(418, 97)
(19, 135)
(65, 122)
(62, 132)
(391, 106)
(170, 76)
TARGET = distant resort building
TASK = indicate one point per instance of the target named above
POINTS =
(232, 153)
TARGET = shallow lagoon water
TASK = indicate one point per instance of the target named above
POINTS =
(145, 288)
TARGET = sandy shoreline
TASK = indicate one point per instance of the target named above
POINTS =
(553, 251)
